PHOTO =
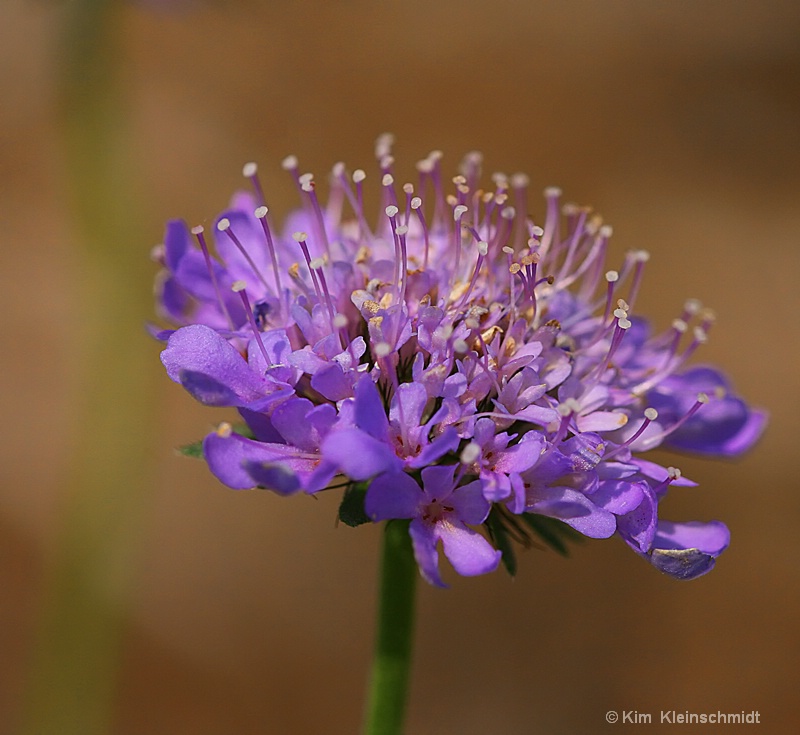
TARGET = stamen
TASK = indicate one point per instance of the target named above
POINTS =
(316, 267)
(611, 277)
(201, 240)
(381, 349)
(650, 415)
(416, 205)
(261, 216)
(702, 399)
(470, 453)
(309, 187)
(224, 430)
(250, 171)
(551, 223)
(300, 238)
(640, 258)
(241, 288)
(566, 410)
(224, 225)
(458, 213)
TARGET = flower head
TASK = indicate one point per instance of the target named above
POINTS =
(455, 362)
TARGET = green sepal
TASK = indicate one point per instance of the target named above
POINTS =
(553, 532)
(499, 535)
(193, 450)
(351, 509)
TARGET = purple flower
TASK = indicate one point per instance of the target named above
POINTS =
(439, 510)
(458, 363)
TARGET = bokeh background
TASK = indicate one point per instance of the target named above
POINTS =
(139, 596)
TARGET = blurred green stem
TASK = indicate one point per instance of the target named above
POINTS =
(75, 665)
(385, 713)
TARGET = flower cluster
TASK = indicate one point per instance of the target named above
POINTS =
(455, 363)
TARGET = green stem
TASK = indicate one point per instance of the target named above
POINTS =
(395, 632)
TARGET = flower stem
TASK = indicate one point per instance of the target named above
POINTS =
(395, 631)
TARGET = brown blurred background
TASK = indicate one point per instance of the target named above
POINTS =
(246, 613)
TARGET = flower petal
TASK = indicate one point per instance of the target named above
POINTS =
(358, 455)
(711, 538)
(619, 496)
(682, 564)
(469, 504)
(423, 540)
(370, 414)
(469, 552)
(214, 372)
(232, 458)
(393, 495)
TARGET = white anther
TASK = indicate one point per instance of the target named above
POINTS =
(622, 304)
(674, 473)
(679, 325)
(606, 231)
(702, 398)
(508, 250)
(459, 211)
(382, 349)
(238, 286)
(400, 230)
(650, 414)
(408, 188)
(358, 176)
(383, 145)
(508, 213)
(444, 331)
(612, 276)
(289, 163)
(249, 169)
(224, 430)
(223, 224)
(305, 178)
(435, 156)
(425, 166)
(387, 180)
(317, 263)
(391, 210)
(519, 181)
(338, 169)
(299, 236)
(624, 323)
(500, 180)
(197, 230)
(340, 321)
(537, 231)
(552, 191)
(567, 407)
(641, 256)
(700, 335)
(416, 203)
(483, 247)
(692, 306)
(620, 313)
(460, 346)
(470, 453)
(261, 212)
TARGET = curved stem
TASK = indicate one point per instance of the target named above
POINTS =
(393, 642)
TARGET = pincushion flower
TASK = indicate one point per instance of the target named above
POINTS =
(456, 362)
